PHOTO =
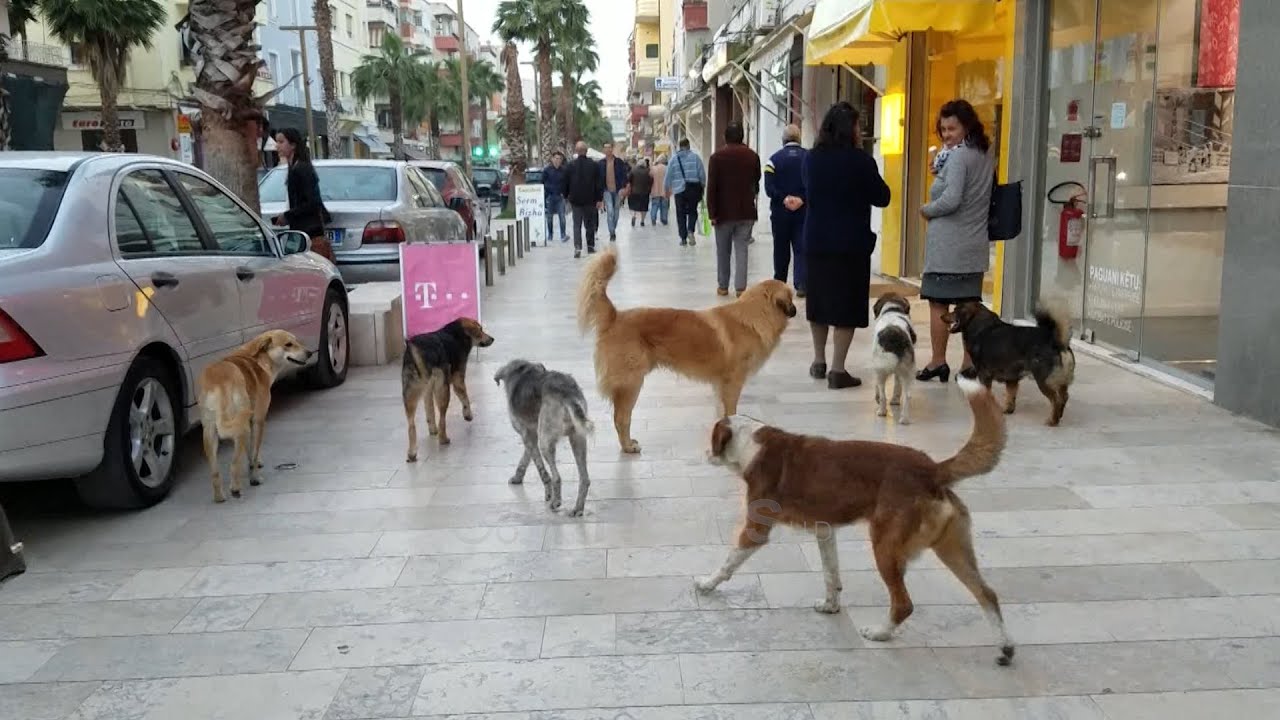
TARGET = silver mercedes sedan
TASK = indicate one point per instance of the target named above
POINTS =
(376, 205)
(121, 277)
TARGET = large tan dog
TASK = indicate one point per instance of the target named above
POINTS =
(723, 346)
(904, 496)
(235, 393)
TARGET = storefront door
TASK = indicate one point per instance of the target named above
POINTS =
(1140, 268)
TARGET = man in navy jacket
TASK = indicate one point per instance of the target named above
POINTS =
(784, 185)
(553, 186)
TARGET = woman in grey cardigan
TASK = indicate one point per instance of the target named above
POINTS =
(956, 243)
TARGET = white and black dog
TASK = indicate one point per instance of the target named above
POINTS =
(894, 353)
(545, 406)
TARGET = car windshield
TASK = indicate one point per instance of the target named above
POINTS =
(436, 176)
(338, 183)
(485, 176)
(28, 201)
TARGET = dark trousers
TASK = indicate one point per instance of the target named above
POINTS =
(589, 216)
(686, 217)
(788, 236)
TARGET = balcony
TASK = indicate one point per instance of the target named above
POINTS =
(381, 12)
(446, 43)
(695, 15)
(53, 55)
(648, 12)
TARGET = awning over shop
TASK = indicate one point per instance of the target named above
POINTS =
(863, 32)
(371, 141)
(413, 153)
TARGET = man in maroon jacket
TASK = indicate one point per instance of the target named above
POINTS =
(733, 182)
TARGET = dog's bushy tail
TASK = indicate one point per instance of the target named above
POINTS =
(1054, 319)
(578, 409)
(981, 453)
(595, 309)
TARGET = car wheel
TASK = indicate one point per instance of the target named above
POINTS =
(140, 450)
(330, 369)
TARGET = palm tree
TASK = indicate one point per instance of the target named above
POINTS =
(398, 74)
(528, 119)
(231, 117)
(328, 77)
(513, 126)
(543, 23)
(108, 31)
(575, 56)
(21, 14)
(5, 131)
(483, 82)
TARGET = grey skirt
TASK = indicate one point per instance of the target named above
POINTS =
(950, 288)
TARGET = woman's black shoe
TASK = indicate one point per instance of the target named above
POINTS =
(942, 372)
(841, 379)
(818, 370)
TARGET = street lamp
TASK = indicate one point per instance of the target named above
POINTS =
(312, 140)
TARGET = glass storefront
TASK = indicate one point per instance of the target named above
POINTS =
(1137, 158)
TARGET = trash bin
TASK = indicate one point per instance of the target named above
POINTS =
(11, 561)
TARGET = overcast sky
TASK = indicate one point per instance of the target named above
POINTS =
(611, 23)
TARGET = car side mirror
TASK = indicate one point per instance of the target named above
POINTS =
(293, 242)
(457, 202)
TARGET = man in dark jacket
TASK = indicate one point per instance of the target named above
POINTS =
(733, 181)
(553, 181)
(785, 187)
(584, 188)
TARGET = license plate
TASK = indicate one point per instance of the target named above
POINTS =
(335, 237)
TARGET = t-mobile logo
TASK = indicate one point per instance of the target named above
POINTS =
(427, 292)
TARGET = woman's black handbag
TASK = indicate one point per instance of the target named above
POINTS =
(1005, 219)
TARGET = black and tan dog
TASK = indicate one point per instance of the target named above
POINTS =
(1007, 353)
(434, 362)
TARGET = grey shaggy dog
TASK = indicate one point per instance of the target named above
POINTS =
(545, 406)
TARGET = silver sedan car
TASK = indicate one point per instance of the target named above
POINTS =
(375, 206)
(121, 277)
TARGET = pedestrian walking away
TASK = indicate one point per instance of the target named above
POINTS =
(841, 184)
(306, 212)
(584, 189)
(733, 182)
(617, 178)
(685, 182)
(659, 198)
(638, 198)
(553, 180)
(785, 187)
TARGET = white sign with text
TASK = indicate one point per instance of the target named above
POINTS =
(531, 203)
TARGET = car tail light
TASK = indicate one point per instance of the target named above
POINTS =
(15, 343)
(506, 187)
(381, 232)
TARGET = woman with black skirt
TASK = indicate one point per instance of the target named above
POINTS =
(841, 183)
(641, 187)
(306, 211)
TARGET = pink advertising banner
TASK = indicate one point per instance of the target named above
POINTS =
(439, 282)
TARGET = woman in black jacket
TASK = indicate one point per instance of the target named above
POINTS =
(306, 211)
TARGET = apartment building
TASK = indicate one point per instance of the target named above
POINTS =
(650, 58)
(35, 79)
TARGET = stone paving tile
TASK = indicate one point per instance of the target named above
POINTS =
(1135, 549)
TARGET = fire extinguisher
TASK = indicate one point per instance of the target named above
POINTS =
(1070, 219)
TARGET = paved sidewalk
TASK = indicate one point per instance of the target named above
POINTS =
(1136, 550)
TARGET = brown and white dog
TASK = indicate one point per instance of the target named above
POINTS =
(235, 393)
(904, 495)
(722, 346)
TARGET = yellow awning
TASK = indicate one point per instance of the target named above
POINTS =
(867, 31)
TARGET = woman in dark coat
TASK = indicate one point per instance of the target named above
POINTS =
(306, 211)
(841, 184)
(638, 197)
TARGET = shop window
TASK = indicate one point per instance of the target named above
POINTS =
(91, 140)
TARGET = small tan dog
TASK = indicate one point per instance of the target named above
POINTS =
(235, 393)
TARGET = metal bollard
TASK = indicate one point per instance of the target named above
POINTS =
(488, 261)
(528, 243)
(511, 247)
(519, 240)
(502, 252)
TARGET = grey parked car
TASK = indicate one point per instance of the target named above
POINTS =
(121, 277)
(376, 205)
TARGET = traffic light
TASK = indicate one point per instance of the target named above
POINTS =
(477, 151)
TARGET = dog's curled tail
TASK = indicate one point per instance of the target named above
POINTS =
(578, 409)
(981, 453)
(595, 309)
(1054, 319)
